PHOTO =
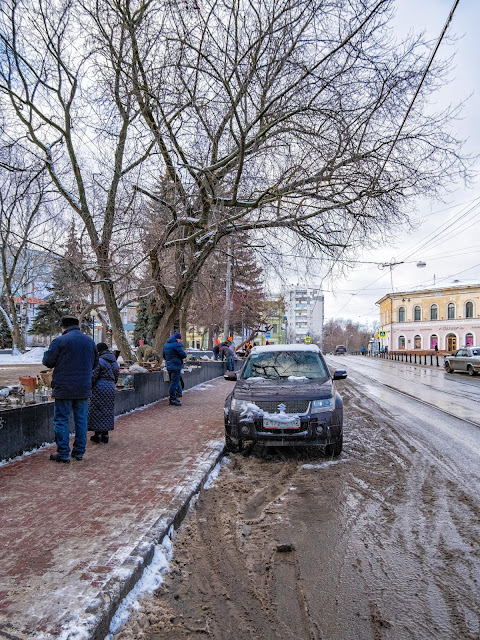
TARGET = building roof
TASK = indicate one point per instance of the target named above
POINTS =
(459, 286)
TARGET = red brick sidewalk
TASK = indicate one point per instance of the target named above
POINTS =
(74, 538)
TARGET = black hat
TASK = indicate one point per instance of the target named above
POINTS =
(101, 346)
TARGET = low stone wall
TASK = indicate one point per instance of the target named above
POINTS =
(25, 428)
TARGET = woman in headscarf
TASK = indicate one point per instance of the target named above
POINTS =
(101, 409)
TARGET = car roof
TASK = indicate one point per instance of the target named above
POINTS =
(285, 347)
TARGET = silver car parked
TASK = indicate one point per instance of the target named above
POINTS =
(466, 359)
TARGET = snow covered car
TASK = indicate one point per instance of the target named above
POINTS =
(285, 395)
(466, 359)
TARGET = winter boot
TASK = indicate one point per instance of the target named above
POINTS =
(96, 437)
(105, 437)
(176, 402)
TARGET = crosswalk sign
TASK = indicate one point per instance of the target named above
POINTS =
(308, 339)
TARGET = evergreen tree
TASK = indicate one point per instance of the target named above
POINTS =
(6, 341)
(47, 320)
(69, 287)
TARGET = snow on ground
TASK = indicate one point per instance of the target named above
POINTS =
(34, 356)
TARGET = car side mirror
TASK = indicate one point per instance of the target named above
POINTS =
(340, 374)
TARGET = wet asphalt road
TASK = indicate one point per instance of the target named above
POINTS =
(458, 394)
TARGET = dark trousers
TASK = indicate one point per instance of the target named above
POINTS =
(175, 385)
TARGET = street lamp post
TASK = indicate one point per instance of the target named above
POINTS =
(347, 341)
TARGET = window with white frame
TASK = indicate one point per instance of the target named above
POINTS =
(401, 342)
(401, 314)
(434, 312)
(451, 311)
(417, 313)
(469, 310)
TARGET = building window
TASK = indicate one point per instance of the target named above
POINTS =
(451, 311)
(433, 341)
(274, 328)
(417, 342)
(401, 342)
(469, 310)
(469, 339)
(417, 313)
(434, 312)
(401, 315)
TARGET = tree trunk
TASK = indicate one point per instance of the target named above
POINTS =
(165, 326)
(113, 311)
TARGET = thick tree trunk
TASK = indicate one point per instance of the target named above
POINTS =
(14, 325)
(165, 328)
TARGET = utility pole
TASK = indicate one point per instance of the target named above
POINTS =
(228, 287)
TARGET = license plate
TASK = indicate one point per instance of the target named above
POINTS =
(276, 424)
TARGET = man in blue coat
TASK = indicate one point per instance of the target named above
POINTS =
(174, 355)
(72, 356)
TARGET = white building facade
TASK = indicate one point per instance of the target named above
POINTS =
(305, 313)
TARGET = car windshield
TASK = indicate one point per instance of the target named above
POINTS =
(283, 364)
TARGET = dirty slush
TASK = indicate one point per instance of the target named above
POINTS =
(379, 543)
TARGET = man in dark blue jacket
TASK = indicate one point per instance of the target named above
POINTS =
(174, 355)
(72, 356)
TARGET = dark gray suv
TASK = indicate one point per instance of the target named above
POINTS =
(285, 395)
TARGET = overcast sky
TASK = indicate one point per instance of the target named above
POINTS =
(447, 237)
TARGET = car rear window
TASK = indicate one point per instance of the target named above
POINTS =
(283, 364)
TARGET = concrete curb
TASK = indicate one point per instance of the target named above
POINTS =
(100, 611)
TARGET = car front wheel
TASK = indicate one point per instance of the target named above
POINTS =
(335, 449)
(471, 371)
(233, 445)
(448, 368)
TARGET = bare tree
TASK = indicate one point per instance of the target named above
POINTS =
(285, 114)
(27, 215)
(258, 114)
(66, 94)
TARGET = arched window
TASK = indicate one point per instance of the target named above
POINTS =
(401, 342)
(469, 340)
(469, 310)
(434, 312)
(433, 341)
(417, 342)
(417, 314)
(401, 314)
(451, 311)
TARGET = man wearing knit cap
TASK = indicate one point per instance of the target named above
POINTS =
(174, 355)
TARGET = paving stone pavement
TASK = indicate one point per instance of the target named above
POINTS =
(74, 538)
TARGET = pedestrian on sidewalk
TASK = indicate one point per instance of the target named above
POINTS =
(216, 350)
(227, 351)
(174, 355)
(101, 414)
(72, 356)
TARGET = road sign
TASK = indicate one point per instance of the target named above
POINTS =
(376, 335)
(267, 335)
(308, 339)
(382, 334)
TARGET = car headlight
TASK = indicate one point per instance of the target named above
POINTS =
(325, 404)
(236, 405)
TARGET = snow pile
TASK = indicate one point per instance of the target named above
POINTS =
(151, 579)
(250, 410)
(34, 356)
(285, 347)
(297, 378)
